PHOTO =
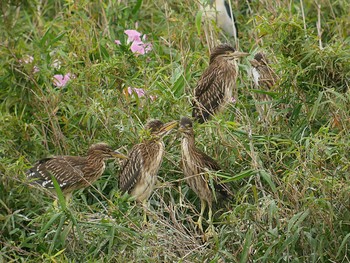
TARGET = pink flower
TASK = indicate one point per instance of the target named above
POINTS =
(140, 48)
(139, 92)
(137, 47)
(117, 42)
(233, 100)
(133, 35)
(61, 81)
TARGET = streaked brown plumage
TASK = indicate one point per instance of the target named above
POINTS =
(196, 167)
(72, 172)
(264, 78)
(263, 74)
(215, 86)
(139, 173)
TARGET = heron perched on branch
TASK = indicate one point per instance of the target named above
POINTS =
(197, 167)
(139, 172)
(215, 86)
(72, 172)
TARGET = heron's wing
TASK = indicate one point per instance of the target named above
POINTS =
(267, 78)
(208, 94)
(65, 169)
(131, 169)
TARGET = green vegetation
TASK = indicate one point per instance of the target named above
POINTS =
(290, 177)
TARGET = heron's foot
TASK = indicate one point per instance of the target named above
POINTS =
(209, 233)
(55, 205)
(199, 224)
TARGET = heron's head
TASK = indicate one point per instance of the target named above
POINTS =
(158, 128)
(105, 151)
(259, 60)
(186, 126)
(226, 51)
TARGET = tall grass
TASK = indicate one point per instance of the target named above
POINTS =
(290, 176)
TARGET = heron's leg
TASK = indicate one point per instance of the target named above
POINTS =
(55, 205)
(210, 232)
(145, 208)
(199, 222)
(180, 198)
(210, 216)
(69, 198)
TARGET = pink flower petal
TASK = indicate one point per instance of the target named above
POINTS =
(137, 47)
(117, 42)
(133, 35)
(139, 92)
(61, 81)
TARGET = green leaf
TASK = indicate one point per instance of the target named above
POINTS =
(267, 177)
(343, 243)
(237, 177)
(137, 7)
(246, 246)
(59, 193)
(297, 219)
(199, 22)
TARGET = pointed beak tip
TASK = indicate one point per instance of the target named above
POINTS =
(118, 154)
(170, 125)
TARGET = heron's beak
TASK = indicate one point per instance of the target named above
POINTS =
(239, 54)
(167, 127)
(117, 154)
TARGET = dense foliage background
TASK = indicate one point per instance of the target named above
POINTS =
(290, 175)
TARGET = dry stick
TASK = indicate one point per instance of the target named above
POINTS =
(234, 27)
(318, 26)
(303, 14)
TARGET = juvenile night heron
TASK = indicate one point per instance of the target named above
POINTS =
(139, 172)
(263, 74)
(215, 86)
(264, 78)
(196, 167)
(72, 172)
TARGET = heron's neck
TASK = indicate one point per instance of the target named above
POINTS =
(188, 140)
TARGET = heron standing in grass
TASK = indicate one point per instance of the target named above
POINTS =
(139, 172)
(72, 172)
(215, 86)
(197, 166)
(264, 78)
